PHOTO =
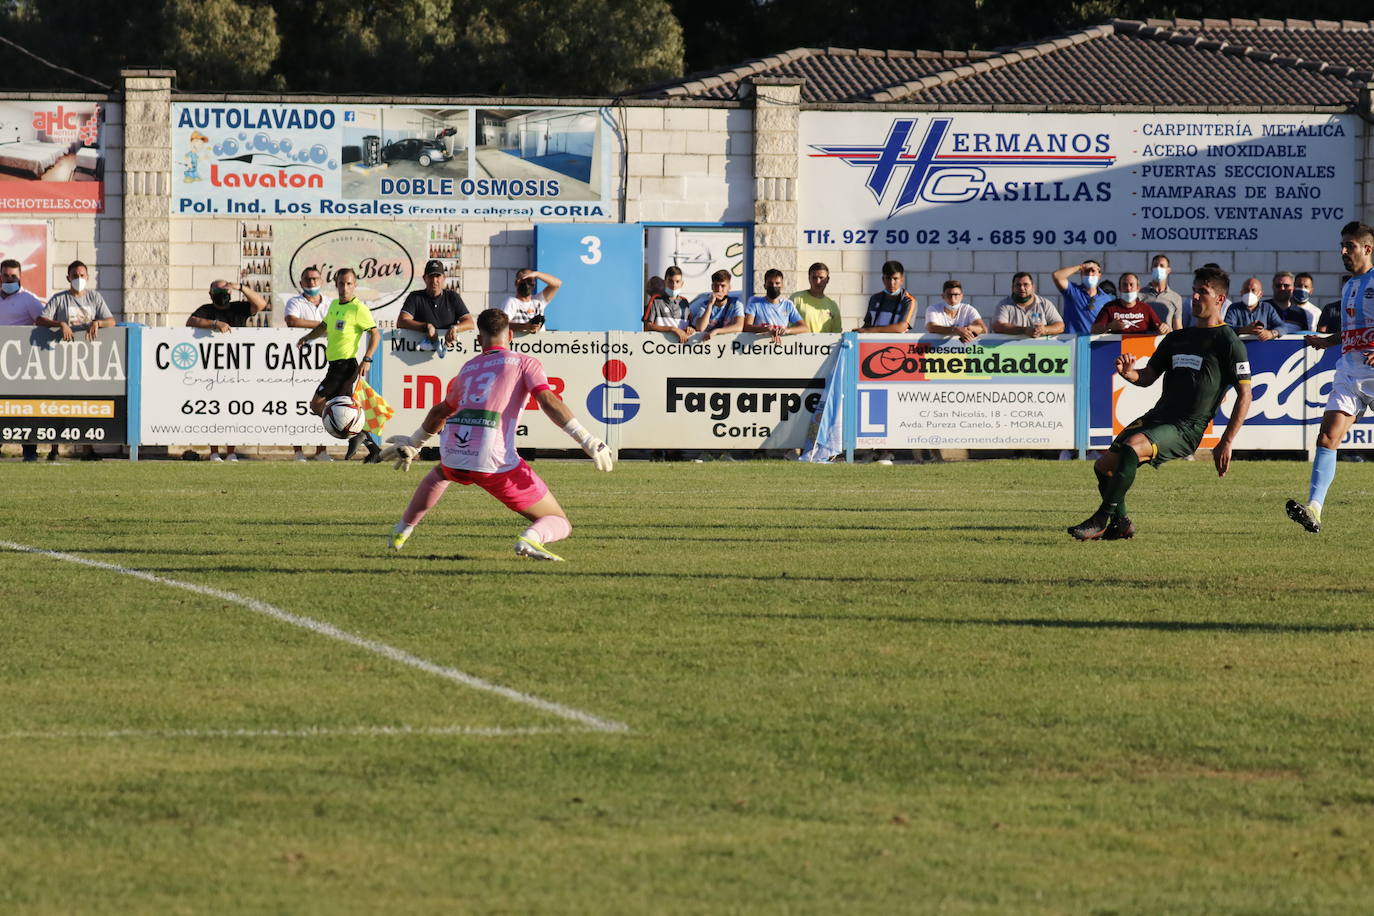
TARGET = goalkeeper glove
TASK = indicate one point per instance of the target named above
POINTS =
(404, 449)
(598, 451)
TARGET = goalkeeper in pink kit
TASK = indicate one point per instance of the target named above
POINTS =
(478, 417)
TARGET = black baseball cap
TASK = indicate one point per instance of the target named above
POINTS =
(434, 267)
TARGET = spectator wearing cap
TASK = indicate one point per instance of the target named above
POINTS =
(434, 309)
(221, 315)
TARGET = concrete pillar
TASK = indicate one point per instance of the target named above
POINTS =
(777, 112)
(147, 194)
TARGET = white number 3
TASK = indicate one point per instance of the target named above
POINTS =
(593, 255)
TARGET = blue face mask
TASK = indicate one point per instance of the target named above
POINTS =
(1160, 274)
(1091, 280)
(1301, 295)
(10, 288)
(311, 290)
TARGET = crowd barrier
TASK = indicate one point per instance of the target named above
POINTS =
(179, 386)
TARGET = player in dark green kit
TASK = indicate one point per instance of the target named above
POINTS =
(1198, 365)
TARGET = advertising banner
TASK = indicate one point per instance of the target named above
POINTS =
(1012, 182)
(391, 161)
(53, 390)
(250, 387)
(639, 390)
(29, 242)
(992, 393)
(52, 157)
(1289, 384)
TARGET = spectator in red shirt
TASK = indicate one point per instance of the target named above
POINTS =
(1127, 314)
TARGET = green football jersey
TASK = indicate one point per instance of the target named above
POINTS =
(1198, 366)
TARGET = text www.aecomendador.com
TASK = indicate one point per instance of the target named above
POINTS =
(918, 396)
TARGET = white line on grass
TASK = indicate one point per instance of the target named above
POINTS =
(362, 731)
(595, 723)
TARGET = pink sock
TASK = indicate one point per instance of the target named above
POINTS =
(548, 529)
(426, 495)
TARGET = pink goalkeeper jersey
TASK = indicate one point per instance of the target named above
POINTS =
(487, 397)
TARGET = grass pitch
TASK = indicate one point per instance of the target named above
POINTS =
(865, 689)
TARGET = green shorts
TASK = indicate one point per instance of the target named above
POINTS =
(1171, 440)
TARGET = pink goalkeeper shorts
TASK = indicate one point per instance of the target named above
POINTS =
(518, 489)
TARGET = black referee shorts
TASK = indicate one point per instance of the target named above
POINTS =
(339, 379)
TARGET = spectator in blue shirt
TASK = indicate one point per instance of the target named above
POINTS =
(719, 312)
(773, 314)
(893, 310)
(1081, 301)
(1252, 317)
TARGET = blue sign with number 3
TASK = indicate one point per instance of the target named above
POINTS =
(602, 269)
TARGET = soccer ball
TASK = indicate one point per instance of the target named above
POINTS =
(342, 418)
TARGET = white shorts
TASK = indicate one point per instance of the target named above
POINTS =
(1350, 393)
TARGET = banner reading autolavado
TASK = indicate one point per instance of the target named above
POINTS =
(640, 390)
(1289, 384)
(992, 393)
(249, 387)
(64, 391)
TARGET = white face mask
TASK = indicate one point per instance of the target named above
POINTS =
(1250, 299)
(1160, 274)
(78, 284)
(1132, 296)
(1091, 280)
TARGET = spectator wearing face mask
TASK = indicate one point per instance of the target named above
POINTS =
(76, 309)
(222, 313)
(1295, 319)
(1127, 314)
(1166, 303)
(1302, 299)
(1083, 300)
(526, 308)
(1253, 316)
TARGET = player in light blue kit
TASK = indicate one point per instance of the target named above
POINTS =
(1352, 392)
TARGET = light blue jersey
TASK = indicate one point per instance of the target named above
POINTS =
(763, 311)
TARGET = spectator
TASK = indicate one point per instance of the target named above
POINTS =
(653, 287)
(221, 316)
(819, 311)
(719, 312)
(1302, 298)
(77, 310)
(1168, 305)
(434, 309)
(894, 309)
(1252, 317)
(526, 308)
(773, 313)
(1126, 314)
(668, 311)
(307, 311)
(953, 315)
(1294, 319)
(1081, 301)
(19, 308)
(1330, 320)
(1025, 312)
(345, 324)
